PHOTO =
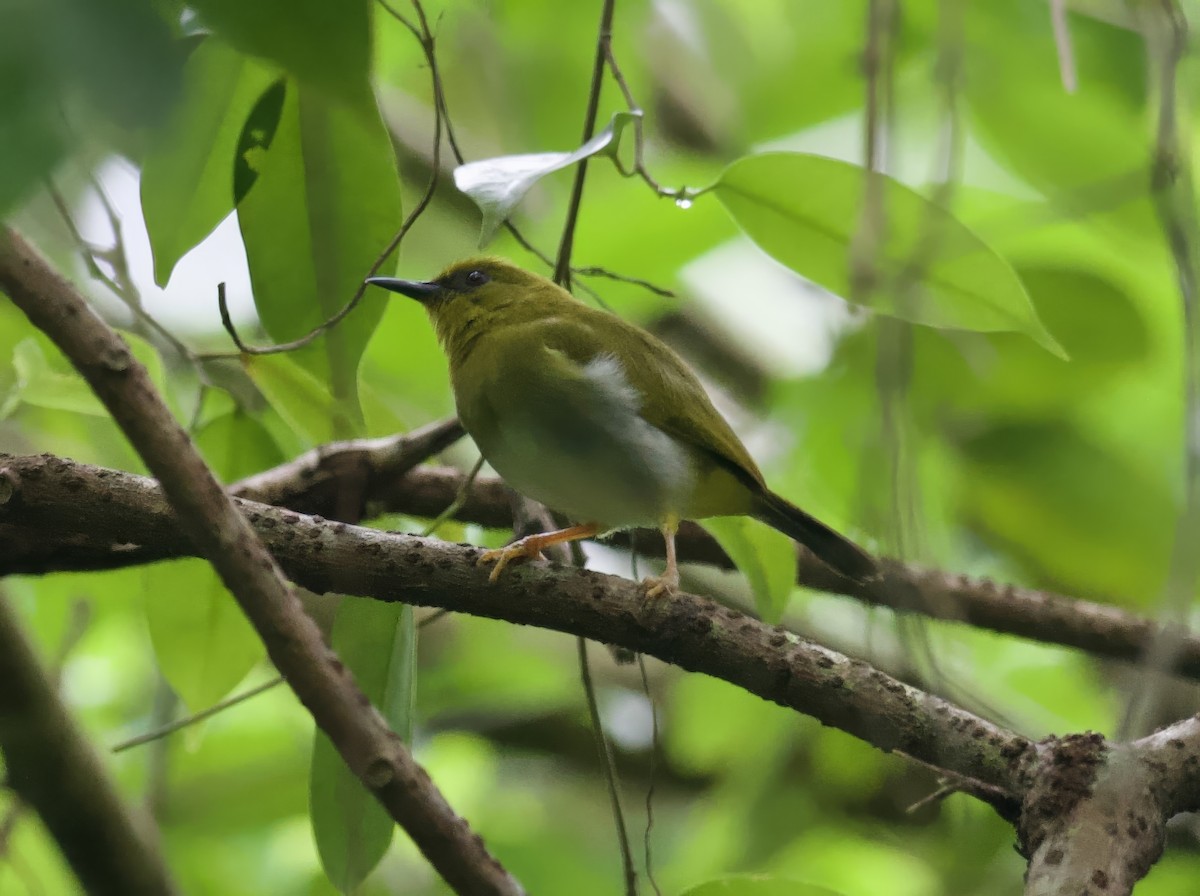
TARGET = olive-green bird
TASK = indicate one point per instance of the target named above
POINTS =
(595, 418)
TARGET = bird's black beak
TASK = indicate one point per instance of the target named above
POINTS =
(421, 291)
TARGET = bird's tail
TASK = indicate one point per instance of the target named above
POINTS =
(832, 548)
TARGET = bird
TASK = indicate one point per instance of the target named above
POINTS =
(596, 418)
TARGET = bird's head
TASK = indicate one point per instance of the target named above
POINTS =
(476, 294)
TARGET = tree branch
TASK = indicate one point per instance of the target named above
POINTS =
(53, 768)
(380, 473)
(688, 631)
(1092, 822)
(208, 519)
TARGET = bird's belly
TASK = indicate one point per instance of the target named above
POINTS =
(602, 465)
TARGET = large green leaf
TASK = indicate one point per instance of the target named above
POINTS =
(325, 203)
(805, 211)
(326, 45)
(377, 641)
(765, 557)
(299, 398)
(187, 174)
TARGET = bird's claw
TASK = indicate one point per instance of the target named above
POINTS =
(660, 586)
(518, 550)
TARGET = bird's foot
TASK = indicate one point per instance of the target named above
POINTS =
(661, 586)
(529, 548)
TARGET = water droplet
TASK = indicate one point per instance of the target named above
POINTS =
(683, 202)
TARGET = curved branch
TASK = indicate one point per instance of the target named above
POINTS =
(324, 481)
(208, 519)
(48, 494)
(54, 769)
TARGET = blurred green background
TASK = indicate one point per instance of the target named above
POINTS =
(277, 148)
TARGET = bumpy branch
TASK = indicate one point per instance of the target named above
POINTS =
(689, 631)
(351, 481)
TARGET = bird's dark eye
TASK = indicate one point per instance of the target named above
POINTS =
(477, 278)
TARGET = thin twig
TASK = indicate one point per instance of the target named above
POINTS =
(195, 718)
(682, 196)
(604, 748)
(120, 286)
(562, 264)
(655, 751)
(458, 501)
(1175, 200)
(1062, 41)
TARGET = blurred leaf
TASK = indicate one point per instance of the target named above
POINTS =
(326, 202)
(1088, 149)
(1075, 510)
(38, 384)
(377, 641)
(757, 885)
(1094, 319)
(187, 175)
(498, 184)
(765, 557)
(295, 394)
(858, 865)
(236, 445)
(49, 381)
(325, 45)
(805, 212)
(203, 641)
(108, 61)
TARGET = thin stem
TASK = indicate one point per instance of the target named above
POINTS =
(194, 719)
(604, 748)
(562, 265)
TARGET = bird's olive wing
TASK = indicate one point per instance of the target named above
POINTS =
(672, 397)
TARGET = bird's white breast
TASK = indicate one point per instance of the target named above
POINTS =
(580, 446)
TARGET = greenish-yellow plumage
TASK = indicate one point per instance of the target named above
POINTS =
(594, 417)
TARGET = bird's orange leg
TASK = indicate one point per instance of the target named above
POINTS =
(530, 547)
(668, 582)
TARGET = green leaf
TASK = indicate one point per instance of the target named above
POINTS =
(203, 641)
(258, 132)
(805, 210)
(187, 174)
(49, 381)
(758, 885)
(106, 61)
(326, 202)
(1070, 506)
(1087, 149)
(325, 45)
(201, 638)
(377, 641)
(498, 184)
(765, 557)
(301, 400)
(1096, 321)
